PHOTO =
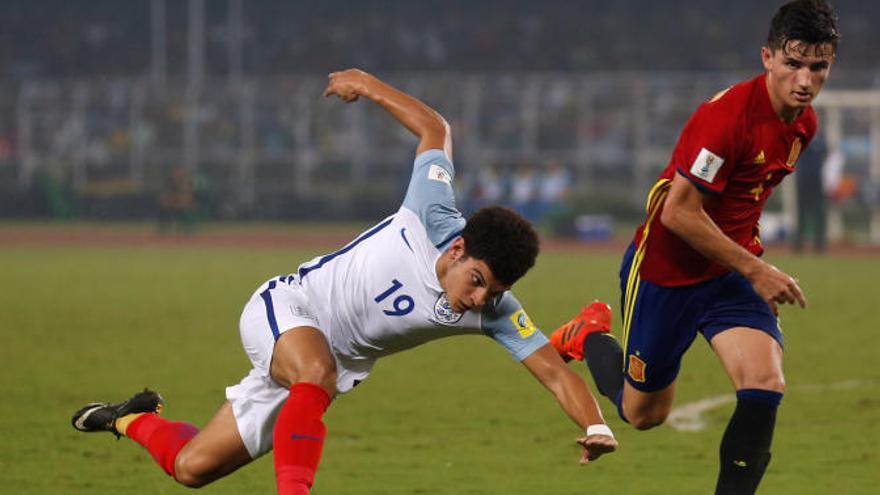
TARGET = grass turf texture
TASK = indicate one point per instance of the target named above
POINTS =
(452, 417)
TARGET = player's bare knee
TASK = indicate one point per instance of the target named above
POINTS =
(776, 384)
(647, 421)
(645, 424)
(765, 381)
(645, 410)
(187, 471)
(647, 416)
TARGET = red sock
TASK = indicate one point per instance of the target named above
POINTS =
(161, 437)
(299, 438)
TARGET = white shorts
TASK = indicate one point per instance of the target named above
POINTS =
(276, 307)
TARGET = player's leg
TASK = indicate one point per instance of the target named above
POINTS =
(643, 399)
(659, 325)
(586, 337)
(753, 360)
(645, 410)
(216, 451)
(657, 333)
(303, 363)
(294, 378)
(242, 429)
(638, 372)
(744, 333)
(191, 457)
(303, 355)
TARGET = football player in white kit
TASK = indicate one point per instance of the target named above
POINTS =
(421, 274)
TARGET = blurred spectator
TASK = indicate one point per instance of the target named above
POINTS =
(177, 206)
(54, 192)
(524, 192)
(554, 186)
(811, 196)
(839, 187)
(488, 188)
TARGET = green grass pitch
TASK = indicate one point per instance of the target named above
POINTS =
(453, 417)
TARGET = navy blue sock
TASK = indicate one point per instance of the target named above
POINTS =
(604, 358)
(745, 447)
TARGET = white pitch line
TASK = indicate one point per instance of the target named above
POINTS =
(688, 417)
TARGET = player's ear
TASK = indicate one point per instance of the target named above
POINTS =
(457, 249)
(767, 57)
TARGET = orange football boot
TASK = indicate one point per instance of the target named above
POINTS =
(569, 338)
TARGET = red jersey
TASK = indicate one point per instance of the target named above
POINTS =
(736, 149)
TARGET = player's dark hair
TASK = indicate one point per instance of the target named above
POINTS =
(813, 22)
(504, 240)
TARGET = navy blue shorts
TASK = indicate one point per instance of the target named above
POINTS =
(660, 323)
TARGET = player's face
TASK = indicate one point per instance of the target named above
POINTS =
(796, 74)
(469, 284)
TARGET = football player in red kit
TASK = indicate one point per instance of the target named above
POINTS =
(694, 265)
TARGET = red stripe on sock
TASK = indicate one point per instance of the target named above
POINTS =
(298, 438)
(162, 438)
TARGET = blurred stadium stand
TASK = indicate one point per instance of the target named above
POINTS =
(59, 38)
(100, 99)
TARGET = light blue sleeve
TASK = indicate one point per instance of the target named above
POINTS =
(431, 198)
(507, 322)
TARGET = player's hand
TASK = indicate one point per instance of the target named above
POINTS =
(596, 445)
(777, 287)
(348, 85)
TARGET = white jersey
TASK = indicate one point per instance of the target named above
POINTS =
(377, 295)
(380, 293)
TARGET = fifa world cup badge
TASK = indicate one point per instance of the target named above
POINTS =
(523, 324)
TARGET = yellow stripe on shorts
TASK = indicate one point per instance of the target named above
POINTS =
(655, 198)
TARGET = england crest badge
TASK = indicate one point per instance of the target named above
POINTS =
(444, 312)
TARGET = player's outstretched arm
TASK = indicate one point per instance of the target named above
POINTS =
(575, 399)
(428, 125)
(684, 215)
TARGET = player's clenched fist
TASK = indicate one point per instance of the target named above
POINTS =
(348, 85)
